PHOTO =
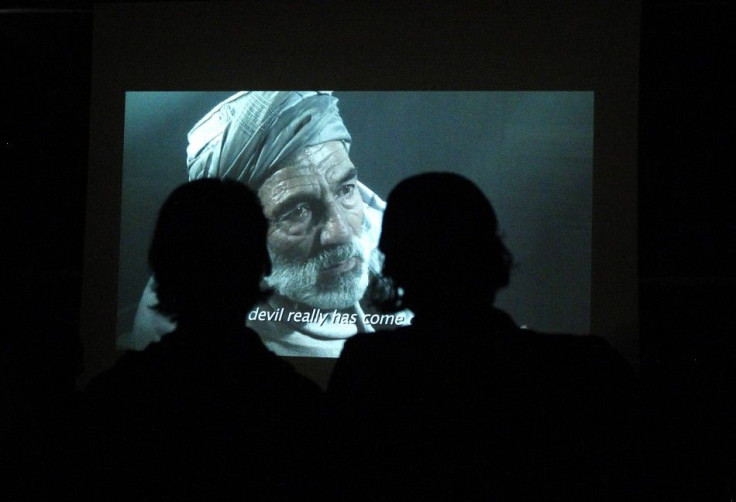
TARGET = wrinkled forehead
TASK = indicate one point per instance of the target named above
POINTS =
(329, 160)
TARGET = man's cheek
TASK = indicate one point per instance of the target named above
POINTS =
(287, 246)
(356, 221)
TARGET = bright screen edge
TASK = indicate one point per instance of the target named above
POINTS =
(565, 48)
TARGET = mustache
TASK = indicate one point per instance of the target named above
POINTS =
(330, 257)
(301, 280)
(324, 258)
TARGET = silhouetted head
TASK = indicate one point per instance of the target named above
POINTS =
(441, 243)
(208, 253)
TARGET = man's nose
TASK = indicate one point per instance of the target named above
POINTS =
(336, 229)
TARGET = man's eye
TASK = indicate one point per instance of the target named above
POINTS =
(299, 214)
(347, 191)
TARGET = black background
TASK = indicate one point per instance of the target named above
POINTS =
(686, 215)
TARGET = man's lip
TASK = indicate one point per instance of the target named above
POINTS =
(341, 267)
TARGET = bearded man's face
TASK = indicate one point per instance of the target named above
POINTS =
(316, 223)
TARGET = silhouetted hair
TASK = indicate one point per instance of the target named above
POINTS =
(440, 231)
(208, 252)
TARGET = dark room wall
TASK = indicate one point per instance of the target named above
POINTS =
(685, 208)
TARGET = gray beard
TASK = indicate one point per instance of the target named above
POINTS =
(301, 282)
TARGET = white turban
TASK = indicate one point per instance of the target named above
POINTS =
(249, 135)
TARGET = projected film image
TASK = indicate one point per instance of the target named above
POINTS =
(324, 162)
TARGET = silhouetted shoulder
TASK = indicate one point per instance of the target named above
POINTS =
(196, 413)
(574, 408)
(575, 377)
(371, 361)
(185, 354)
(571, 355)
(381, 344)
